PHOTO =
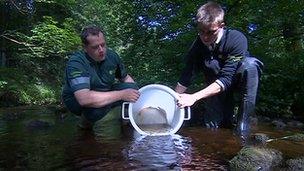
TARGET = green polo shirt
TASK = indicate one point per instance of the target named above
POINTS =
(82, 72)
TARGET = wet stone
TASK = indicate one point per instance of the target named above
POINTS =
(296, 137)
(13, 116)
(38, 124)
(279, 124)
(295, 124)
(259, 138)
(254, 121)
(264, 119)
(256, 158)
(57, 109)
(295, 164)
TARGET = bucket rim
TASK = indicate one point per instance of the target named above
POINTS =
(174, 95)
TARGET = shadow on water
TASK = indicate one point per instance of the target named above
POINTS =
(43, 140)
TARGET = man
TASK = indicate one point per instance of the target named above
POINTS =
(90, 88)
(222, 55)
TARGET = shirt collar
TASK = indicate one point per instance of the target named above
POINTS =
(218, 39)
(92, 61)
(219, 36)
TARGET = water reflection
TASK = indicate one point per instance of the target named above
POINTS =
(87, 152)
(157, 152)
(173, 152)
(98, 149)
(112, 146)
(131, 151)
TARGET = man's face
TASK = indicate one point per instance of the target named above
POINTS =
(208, 33)
(96, 47)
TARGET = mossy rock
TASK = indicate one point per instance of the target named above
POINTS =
(295, 164)
(256, 158)
(297, 137)
(37, 124)
(259, 138)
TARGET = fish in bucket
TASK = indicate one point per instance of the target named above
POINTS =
(155, 112)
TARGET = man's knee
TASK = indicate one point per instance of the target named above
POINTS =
(95, 114)
(250, 64)
(73, 106)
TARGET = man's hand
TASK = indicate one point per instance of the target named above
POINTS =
(189, 99)
(185, 100)
(130, 95)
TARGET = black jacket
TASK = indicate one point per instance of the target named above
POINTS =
(219, 64)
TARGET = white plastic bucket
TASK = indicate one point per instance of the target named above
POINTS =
(155, 108)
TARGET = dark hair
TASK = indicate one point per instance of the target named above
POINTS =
(89, 30)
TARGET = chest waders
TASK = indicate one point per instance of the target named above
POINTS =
(220, 108)
(248, 74)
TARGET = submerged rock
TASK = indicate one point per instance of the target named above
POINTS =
(13, 116)
(254, 121)
(279, 124)
(295, 164)
(262, 139)
(38, 124)
(296, 137)
(256, 158)
(295, 124)
(264, 119)
(58, 109)
(259, 138)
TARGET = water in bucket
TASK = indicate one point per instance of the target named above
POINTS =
(155, 113)
(153, 120)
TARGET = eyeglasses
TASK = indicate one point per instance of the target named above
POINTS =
(208, 32)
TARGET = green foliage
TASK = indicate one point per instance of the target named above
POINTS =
(19, 88)
(281, 84)
(53, 39)
(47, 39)
(42, 49)
(278, 42)
(2, 84)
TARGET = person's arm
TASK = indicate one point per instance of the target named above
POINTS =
(79, 80)
(90, 98)
(236, 49)
(189, 99)
(128, 79)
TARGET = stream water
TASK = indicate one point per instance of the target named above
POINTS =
(37, 138)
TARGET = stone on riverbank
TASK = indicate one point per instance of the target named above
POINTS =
(295, 164)
(259, 138)
(38, 124)
(12, 116)
(256, 158)
(296, 137)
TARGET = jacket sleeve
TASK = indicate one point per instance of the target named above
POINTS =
(77, 76)
(236, 49)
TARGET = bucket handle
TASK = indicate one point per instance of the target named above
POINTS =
(187, 113)
(125, 105)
